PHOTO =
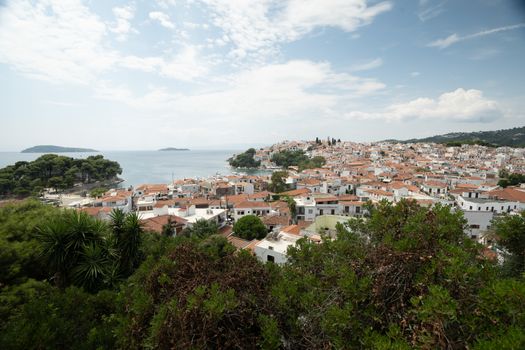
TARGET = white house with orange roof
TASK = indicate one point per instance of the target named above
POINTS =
(274, 247)
(435, 188)
(116, 199)
(251, 208)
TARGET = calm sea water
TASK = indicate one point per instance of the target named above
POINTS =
(150, 166)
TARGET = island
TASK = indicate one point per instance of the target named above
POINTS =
(173, 149)
(58, 172)
(55, 149)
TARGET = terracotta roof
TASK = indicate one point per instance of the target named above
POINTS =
(156, 223)
(238, 243)
(295, 193)
(276, 220)
(225, 231)
(248, 204)
(435, 184)
(292, 229)
(509, 193)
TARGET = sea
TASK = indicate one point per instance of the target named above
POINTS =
(139, 167)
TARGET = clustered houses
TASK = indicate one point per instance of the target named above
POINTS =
(464, 177)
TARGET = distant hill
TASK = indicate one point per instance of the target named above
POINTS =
(55, 149)
(514, 137)
(173, 149)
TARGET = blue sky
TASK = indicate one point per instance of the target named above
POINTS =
(118, 75)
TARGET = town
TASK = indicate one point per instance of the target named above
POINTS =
(470, 178)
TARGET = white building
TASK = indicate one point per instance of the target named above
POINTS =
(305, 207)
(274, 247)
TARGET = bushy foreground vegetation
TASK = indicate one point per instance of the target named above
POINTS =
(54, 171)
(407, 277)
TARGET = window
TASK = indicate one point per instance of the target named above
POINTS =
(270, 258)
(270, 247)
(332, 211)
(357, 210)
(470, 207)
(474, 226)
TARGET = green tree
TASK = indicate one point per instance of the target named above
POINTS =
(168, 229)
(194, 297)
(202, 229)
(128, 244)
(510, 234)
(278, 182)
(67, 242)
(245, 160)
(249, 227)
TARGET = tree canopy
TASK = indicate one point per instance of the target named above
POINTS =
(54, 171)
(244, 160)
(297, 158)
(249, 227)
(406, 277)
(202, 229)
(278, 182)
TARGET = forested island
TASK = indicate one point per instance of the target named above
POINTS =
(173, 149)
(55, 149)
(55, 171)
(406, 277)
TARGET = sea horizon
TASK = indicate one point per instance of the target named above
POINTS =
(149, 166)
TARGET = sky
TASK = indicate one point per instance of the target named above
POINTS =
(138, 75)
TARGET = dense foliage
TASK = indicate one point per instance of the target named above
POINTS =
(297, 158)
(249, 227)
(510, 179)
(202, 229)
(460, 143)
(406, 277)
(278, 181)
(510, 231)
(54, 171)
(244, 160)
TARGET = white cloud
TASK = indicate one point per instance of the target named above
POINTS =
(123, 16)
(61, 41)
(58, 41)
(165, 4)
(455, 38)
(415, 74)
(459, 105)
(185, 65)
(162, 18)
(375, 63)
(294, 89)
(252, 26)
(430, 9)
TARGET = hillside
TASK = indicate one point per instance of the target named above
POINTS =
(514, 137)
(55, 149)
